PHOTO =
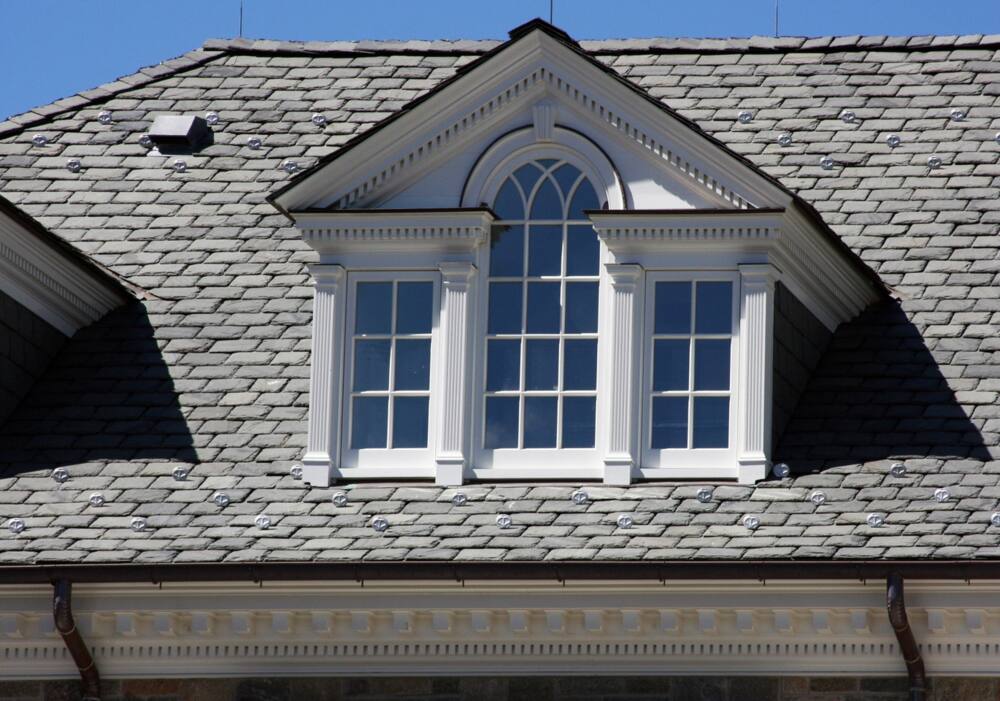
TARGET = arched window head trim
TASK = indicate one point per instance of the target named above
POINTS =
(514, 149)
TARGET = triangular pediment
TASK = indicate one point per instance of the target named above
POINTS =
(423, 155)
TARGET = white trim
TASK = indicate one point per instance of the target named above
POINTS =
(48, 282)
(624, 351)
(809, 627)
(756, 350)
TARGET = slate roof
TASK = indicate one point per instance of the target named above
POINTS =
(210, 372)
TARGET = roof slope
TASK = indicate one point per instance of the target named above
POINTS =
(213, 373)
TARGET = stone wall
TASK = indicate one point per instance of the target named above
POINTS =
(513, 689)
(27, 345)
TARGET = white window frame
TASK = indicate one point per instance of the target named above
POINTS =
(688, 462)
(388, 462)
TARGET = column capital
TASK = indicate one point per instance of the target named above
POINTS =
(758, 272)
(326, 274)
(623, 273)
(456, 272)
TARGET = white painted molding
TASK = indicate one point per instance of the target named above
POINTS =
(49, 282)
(623, 387)
(456, 346)
(543, 115)
(394, 230)
(753, 395)
(833, 628)
(329, 309)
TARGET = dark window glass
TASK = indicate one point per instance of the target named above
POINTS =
(583, 199)
(503, 364)
(373, 313)
(541, 364)
(670, 364)
(527, 175)
(414, 307)
(543, 307)
(669, 422)
(578, 422)
(540, 422)
(566, 175)
(413, 364)
(371, 365)
(581, 307)
(505, 307)
(370, 418)
(546, 204)
(544, 250)
(580, 364)
(508, 204)
(582, 251)
(507, 251)
(711, 422)
(409, 422)
(711, 364)
(672, 310)
(501, 422)
(714, 307)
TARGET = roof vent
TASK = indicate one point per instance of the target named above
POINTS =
(180, 134)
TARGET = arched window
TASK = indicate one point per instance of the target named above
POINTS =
(542, 319)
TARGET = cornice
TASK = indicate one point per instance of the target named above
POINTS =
(623, 227)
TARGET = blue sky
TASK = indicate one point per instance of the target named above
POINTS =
(53, 48)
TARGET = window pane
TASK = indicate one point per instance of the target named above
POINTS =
(508, 204)
(583, 199)
(409, 422)
(371, 365)
(543, 307)
(369, 419)
(670, 364)
(580, 364)
(544, 250)
(414, 307)
(505, 307)
(413, 363)
(527, 176)
(566, 175)
(672, 311)
(581, 307)
(540, 422)
(578, 422)
(714, 307)
(582, 251)
(711, 364)
(711, 422)
(670, 415)
(541, 364)
(373, 313)
(503, 364)
(507, 251)
(501, 422)
(546, 204)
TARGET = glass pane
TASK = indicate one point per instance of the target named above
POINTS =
(711, 422)
(578, 422)
(507, 251)
(414, 307)
(581, 307)
(546, 163)
(583, 199)
(373, 313)
(670, 418)
(371, 365)
(527, 176)
(413, 363)
(711, 364)
(672, 311)
(582, 251)
(505, 307)
(503, 365)
(543, 307)
(409, 422)
(714, 307)
(541, 364)
(566, 175)
(501, 422)
(546, 204)
(369, 419)
(544, 250)
(508, 204)
(580, 364)
(540, 422)
(670, 364)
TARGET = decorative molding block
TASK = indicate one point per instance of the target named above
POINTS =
(364, 230)
(543, 115)
(637, 227)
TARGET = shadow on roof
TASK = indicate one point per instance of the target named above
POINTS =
(107, 396)
(877, 394)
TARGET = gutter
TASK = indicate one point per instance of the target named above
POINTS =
(896, 605)
(759, 570)
(62, 612)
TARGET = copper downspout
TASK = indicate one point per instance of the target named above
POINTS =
(63, 615)
(907, 644)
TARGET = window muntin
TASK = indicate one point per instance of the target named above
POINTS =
(388, 367)
(690, 370)
(542, 289)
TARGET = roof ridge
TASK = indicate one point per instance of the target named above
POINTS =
(144, 76)
(879, 42)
